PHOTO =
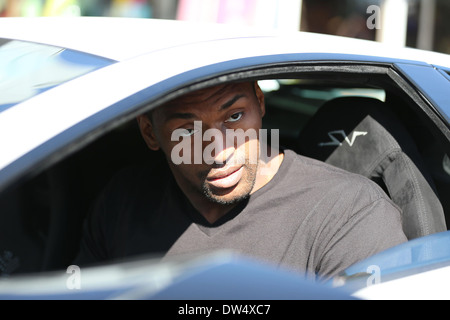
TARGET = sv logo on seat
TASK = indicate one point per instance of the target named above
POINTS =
(335, 142)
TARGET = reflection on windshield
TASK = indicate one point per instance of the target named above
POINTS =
(447, 164)
(27, 69)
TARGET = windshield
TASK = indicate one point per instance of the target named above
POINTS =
(27, 69)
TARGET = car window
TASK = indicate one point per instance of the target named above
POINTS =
(291, 103)
(27, 69)
(42, 218)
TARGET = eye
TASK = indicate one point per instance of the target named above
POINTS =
(235, 117)
(184, 132)
(188, 132)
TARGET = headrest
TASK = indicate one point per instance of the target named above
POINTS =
(355, 133)
(363, 135)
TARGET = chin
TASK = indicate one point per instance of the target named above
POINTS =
(228, 201)
(233, 195)
(227, 197)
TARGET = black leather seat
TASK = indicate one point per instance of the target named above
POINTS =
(363, 135)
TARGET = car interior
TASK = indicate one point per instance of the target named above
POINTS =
(366, 128)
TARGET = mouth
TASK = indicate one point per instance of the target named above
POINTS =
(226, 179)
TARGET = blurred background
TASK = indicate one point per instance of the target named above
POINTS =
(414, 23)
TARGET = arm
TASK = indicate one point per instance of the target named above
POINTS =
(372, 229)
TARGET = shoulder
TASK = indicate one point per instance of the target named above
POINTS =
(319, 170)
(328, 179)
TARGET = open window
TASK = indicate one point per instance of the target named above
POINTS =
(42, 217)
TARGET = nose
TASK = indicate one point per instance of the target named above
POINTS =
(218, 147)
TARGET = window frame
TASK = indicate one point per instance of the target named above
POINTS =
(80, 135)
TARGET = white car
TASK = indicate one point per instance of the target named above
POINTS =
(72, 87)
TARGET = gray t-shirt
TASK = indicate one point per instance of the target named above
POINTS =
(311, 217)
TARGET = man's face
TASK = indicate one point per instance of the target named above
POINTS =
(227, 169)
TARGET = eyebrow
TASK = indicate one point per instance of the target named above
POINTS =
(181, 115)
(228, 104)
(189, 116)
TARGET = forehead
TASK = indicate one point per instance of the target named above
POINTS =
(208, 97)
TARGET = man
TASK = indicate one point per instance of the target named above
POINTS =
(281, 208)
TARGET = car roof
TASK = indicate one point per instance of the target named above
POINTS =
(115, 38)
(124, 38)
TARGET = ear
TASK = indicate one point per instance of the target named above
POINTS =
(147, 132)
(261, 99)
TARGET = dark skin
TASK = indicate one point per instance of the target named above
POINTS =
(214, 189)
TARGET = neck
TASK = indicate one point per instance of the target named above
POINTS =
(213, 212)
(268, 168)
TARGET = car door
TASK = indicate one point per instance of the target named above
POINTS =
(63, 170)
